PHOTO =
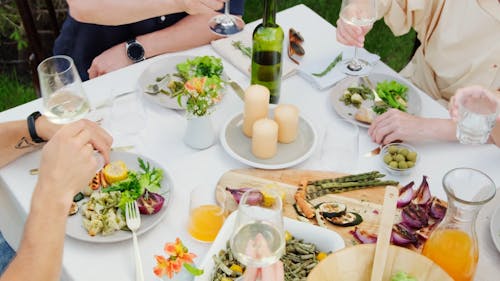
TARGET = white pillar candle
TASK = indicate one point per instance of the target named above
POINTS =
(265, 138)
(287, 117)
(256, 107)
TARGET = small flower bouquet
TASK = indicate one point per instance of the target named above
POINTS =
(202, 93)
(178, 257)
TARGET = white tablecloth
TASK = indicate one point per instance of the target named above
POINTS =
(161, 140)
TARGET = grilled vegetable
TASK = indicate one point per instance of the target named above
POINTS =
(150, 203)
(348, 219)
(363, 236)
(332, 209)
(73, 209)
(78, 197)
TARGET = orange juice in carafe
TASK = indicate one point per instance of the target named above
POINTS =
(454, 251)
(205, 222)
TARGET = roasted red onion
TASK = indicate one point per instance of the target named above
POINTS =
(150, 203)
(437, 209)
(415, 216)
(402, 235)
(363, 237)
(425, 232)
(423, 195)
(406, 194)
(254, 198)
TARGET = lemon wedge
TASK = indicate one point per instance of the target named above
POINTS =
(115, 171)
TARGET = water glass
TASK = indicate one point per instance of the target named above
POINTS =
(340, 148)
(127, 115)
(258, 238)
(205, 216)
(476, 118)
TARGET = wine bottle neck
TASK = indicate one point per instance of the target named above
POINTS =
(269, 19)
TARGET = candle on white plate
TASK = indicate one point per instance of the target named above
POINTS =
(256, 106)
(287, 117)
(265, 138)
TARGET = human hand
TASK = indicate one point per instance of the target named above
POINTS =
(274, 272)
(112, 59)
(351, 35)
(68, 162)
(469, 92)
(201, 6)
(397, 125)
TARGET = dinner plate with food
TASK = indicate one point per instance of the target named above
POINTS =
(316, 241)
(361, 99)
(98, 211)
(164, 82)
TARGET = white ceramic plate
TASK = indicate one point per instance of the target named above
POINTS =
(239, 146)
(495, 228)
(75, 229)
(347, 112)
(326, 240)
(159, 69)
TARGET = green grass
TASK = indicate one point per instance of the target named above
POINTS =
(394, 51)
(13, 92)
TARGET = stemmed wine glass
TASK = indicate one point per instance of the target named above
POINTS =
(64, 100)
(258, 238)
(360, 13)
(226, 24)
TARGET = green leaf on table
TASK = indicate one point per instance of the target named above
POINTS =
(329, 67)
(193, 270)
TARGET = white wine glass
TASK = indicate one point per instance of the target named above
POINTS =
(226, 24)
(362, 13)
(258, 238)
(64, 100)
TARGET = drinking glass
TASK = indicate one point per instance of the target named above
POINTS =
(453, 245)
(258, 238)
(205, 217)
(360, 13)
(64, 100)
(226, 24)
(340, 146)
(127, 116)
(476, 117)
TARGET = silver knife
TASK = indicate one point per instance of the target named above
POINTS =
(237, 89)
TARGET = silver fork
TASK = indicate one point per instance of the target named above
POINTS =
(133, 218)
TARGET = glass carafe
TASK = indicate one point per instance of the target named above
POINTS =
(453, 245)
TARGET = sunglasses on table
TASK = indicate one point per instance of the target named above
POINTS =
(295, 45)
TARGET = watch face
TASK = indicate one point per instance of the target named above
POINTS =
(135, 51)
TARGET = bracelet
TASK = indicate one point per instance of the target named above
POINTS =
(31, 127)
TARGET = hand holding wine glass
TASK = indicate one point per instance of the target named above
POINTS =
(226, 24)
(258, 239)
(356, 19)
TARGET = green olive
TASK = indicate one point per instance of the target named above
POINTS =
(393, 164)
(392, 149)
(387, 158)
(412, 156)
(402, 165)
(403, 151)
(399, 158)
(410, 164)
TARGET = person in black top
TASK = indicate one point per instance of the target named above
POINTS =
(98, 49)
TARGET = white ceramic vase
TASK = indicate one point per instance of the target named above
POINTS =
(200, 133)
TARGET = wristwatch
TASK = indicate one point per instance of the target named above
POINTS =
(31, 127)
(135, 51)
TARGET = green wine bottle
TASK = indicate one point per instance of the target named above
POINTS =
(266, 52)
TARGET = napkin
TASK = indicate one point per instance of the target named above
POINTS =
(225, 48)
(335, 75)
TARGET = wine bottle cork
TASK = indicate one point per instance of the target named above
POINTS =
(256, 107)
(287, 117)
(265, 138)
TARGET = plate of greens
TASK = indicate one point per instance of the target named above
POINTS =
(165, 81)
(101, 218)
(353, 99)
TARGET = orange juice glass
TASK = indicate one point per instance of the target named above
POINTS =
(453, 245)
(205, 217)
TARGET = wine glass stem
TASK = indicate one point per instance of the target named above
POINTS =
(226, 8)
(354, 64)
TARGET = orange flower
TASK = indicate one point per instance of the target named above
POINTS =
(178, 255)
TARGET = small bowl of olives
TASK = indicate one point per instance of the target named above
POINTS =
(399, 159)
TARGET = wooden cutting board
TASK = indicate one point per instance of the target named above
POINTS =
(366, 202)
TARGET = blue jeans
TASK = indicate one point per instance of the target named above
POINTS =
(6, 254)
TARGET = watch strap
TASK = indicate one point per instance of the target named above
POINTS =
(32, 129)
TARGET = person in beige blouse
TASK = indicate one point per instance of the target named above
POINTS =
(460, 46)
